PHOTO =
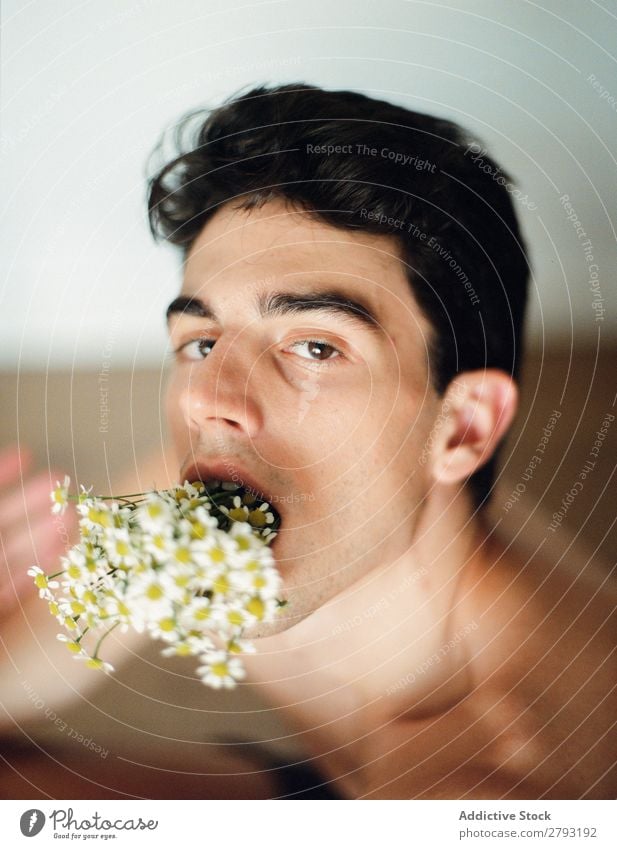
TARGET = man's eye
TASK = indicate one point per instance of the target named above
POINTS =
(196, 349)
(312, 349)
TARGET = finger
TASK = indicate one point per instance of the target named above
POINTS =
(25, 502)
(14, 464)
(41, 545)
(41, 542)
(19, 588)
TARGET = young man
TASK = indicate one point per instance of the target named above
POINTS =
(347, 341)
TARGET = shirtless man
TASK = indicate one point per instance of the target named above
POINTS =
(346, 342)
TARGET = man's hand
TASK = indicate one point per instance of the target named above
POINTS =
(29, 533)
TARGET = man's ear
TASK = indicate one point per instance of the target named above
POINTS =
(477, 410)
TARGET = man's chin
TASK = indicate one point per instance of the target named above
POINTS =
(282, 621)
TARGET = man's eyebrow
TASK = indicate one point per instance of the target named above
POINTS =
(332, 301)
(289, 303)
(186, 305)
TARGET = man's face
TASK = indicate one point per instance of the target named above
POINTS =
(307, 374)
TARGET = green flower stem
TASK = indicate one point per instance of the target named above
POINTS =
(95, 656)
(83, 634)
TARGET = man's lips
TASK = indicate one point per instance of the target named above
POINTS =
(225, 471)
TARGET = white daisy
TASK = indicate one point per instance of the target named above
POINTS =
(155, 514)
(190, 645)
(172, 565)
(230, 619)
(60, 496)
(220, 670)
(73, 646)
(96, 663)
(165, 629)
(44, 584)
(196, 615)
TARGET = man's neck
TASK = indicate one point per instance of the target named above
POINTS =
(392, 645)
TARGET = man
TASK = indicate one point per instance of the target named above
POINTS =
(346, 342)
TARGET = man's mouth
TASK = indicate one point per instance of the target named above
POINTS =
(220, 475)
(225, 472)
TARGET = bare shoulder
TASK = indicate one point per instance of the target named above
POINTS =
(538, 720)
(547, 674)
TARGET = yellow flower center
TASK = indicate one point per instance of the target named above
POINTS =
(98, 517)
(198, 530)
(154, 592)
(234, 617)
(238, 514)
(183, 555)
(221, 585)
(257, 518)
(256, 607)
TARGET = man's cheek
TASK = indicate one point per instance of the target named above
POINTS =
(176, 421)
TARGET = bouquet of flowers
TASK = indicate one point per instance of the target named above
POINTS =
(183, 565)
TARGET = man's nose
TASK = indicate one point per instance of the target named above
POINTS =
(220, 391)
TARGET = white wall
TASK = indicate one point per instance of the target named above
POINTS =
(87, 87)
